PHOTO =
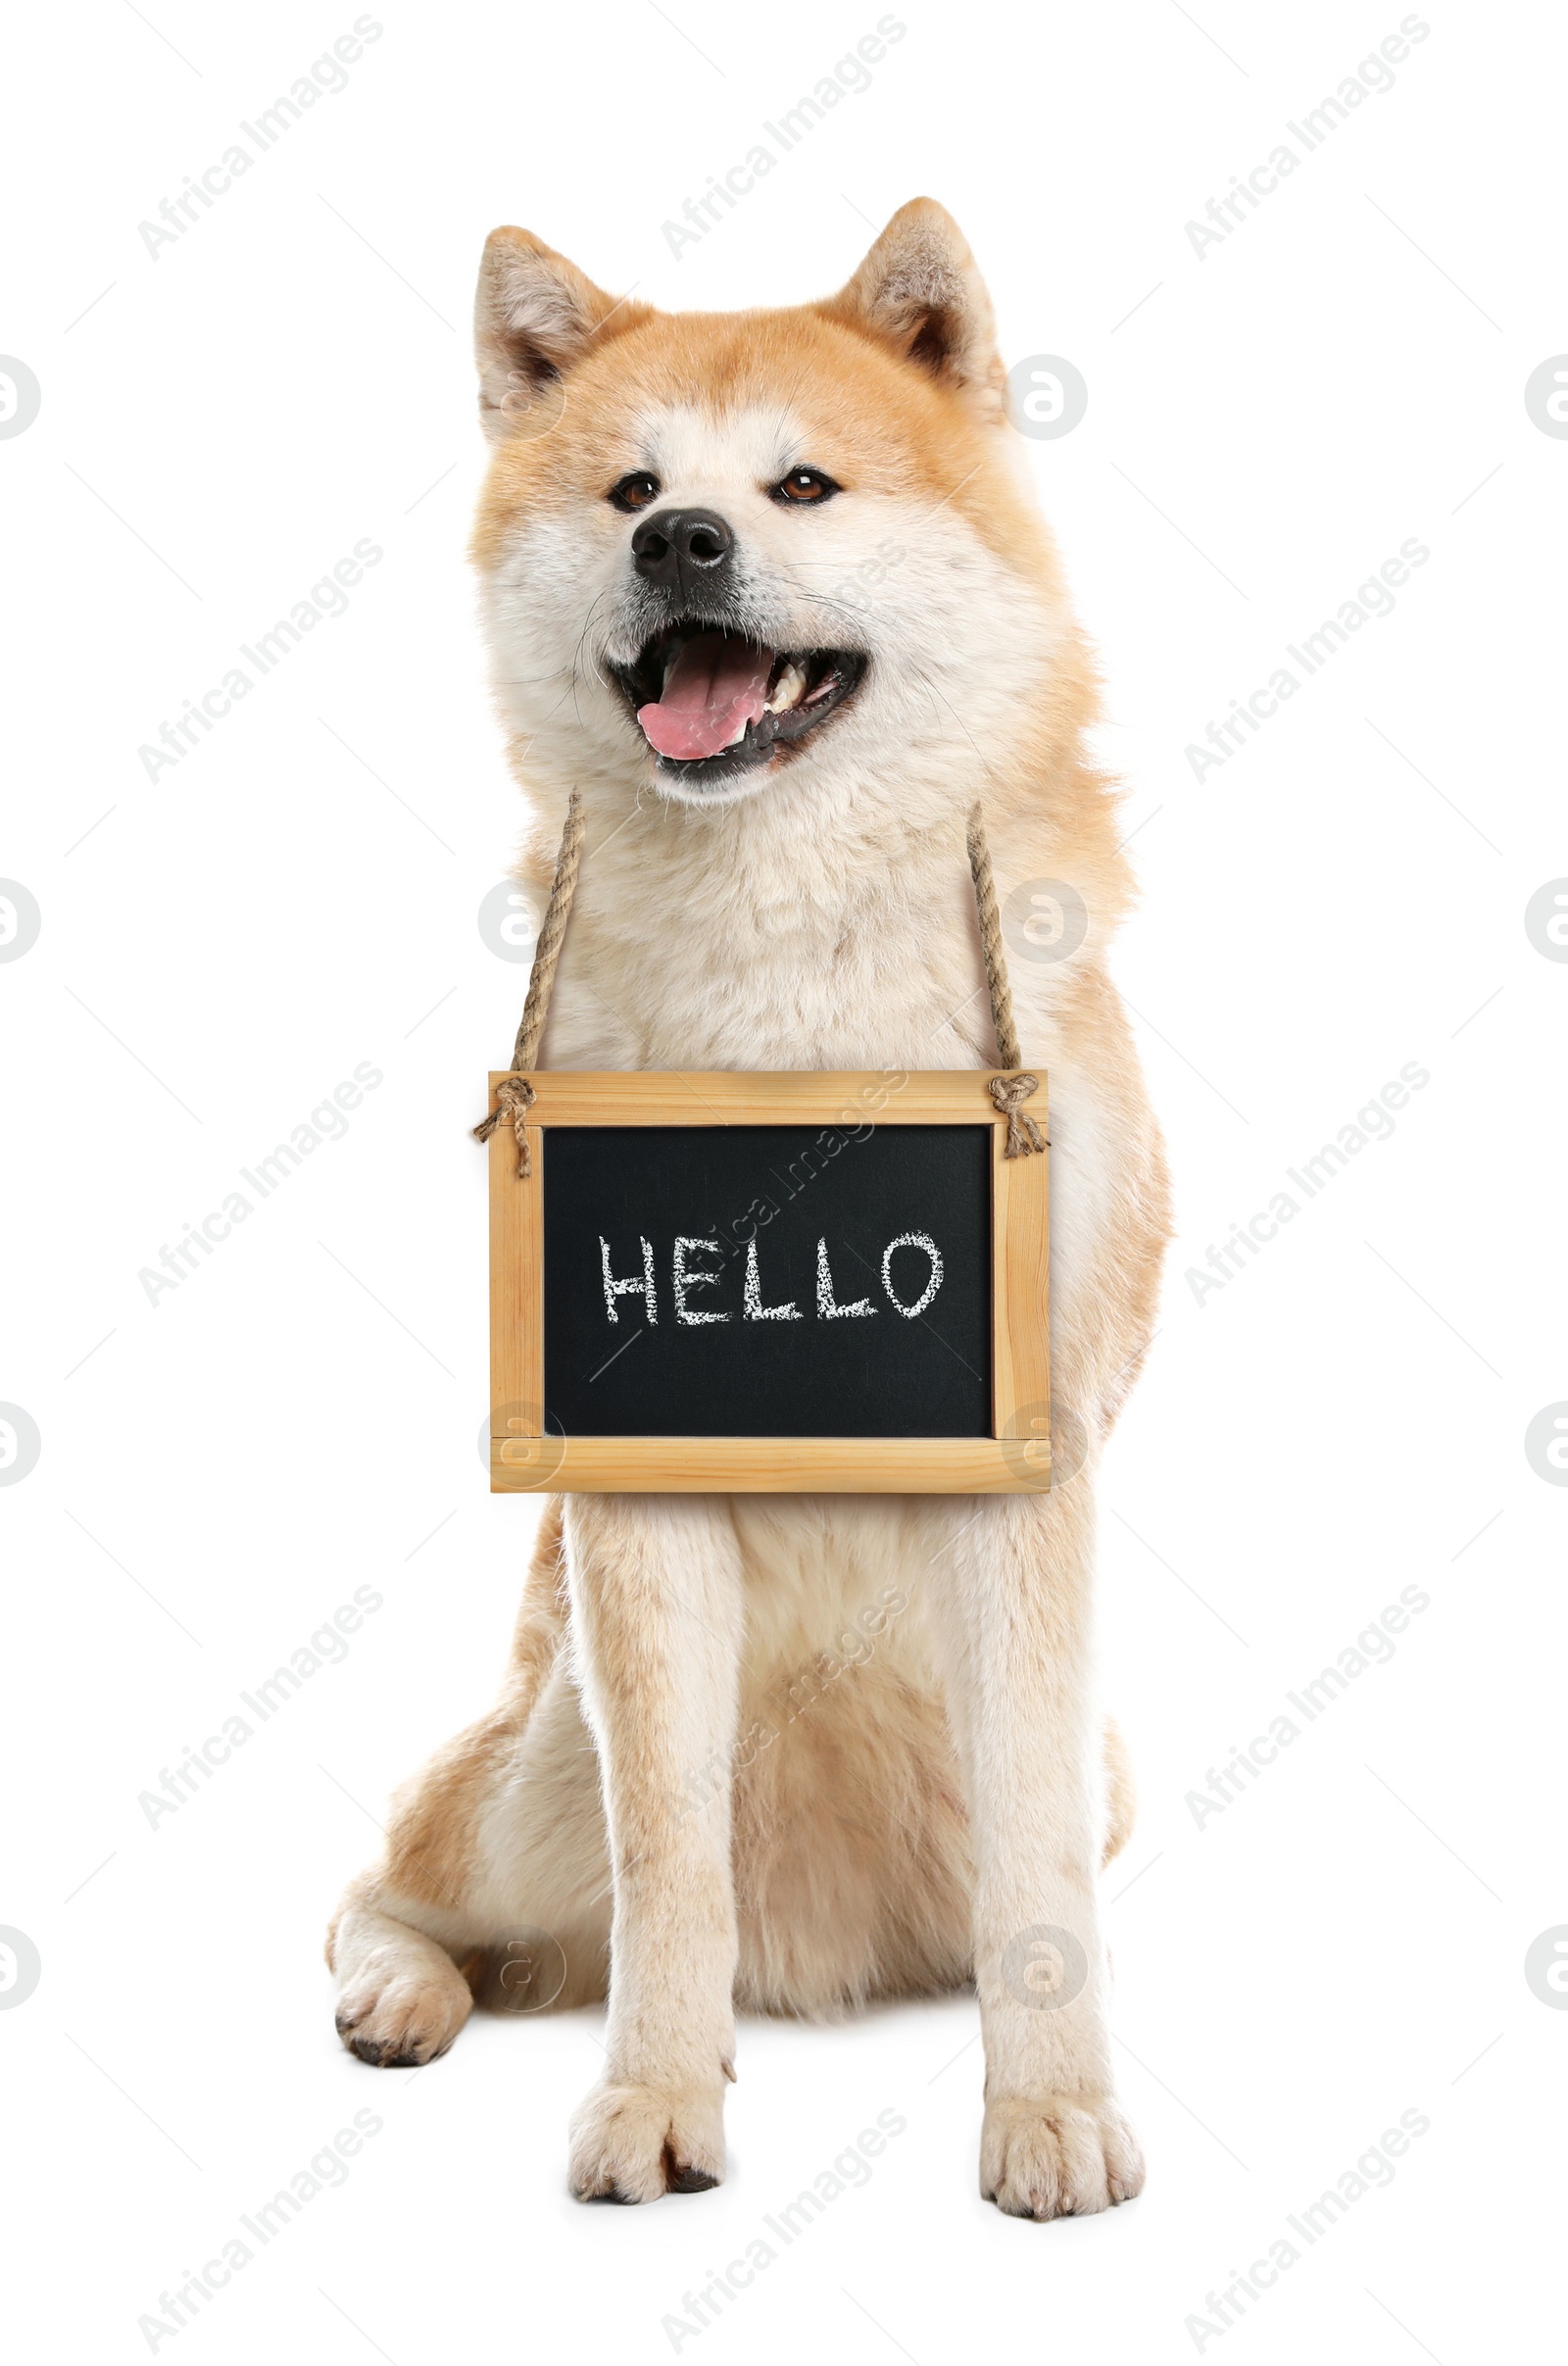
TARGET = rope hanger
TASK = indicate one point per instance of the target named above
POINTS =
(515, 1093)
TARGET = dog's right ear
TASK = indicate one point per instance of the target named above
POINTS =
(534, 315)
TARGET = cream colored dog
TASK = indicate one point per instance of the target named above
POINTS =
(771, 587)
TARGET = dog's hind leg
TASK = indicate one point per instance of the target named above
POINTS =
(495, 1858)
(401, 1998)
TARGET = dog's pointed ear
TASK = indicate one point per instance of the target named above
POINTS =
(919, 291)
(534, 315)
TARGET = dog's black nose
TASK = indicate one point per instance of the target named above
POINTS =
(680, 550)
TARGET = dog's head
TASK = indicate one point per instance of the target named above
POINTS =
(723, 552)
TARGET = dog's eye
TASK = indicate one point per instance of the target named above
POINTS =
(805, 484)
(635, 492)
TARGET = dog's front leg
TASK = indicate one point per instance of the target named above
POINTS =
(657, 1613)
(1011, 1603)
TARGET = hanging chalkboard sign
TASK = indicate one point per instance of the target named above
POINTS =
(767, 1283)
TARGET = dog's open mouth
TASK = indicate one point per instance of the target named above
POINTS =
(711, 704)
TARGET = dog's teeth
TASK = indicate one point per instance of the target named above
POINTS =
(788, 690)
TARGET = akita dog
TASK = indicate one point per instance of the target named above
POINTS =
(771, 589)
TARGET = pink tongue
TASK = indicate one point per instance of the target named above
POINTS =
(716, 686)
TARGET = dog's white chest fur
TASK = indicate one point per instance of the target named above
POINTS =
(709, 942)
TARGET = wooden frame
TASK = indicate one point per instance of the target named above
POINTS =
(1015, 1458)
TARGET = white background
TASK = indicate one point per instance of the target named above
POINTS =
(220, 946)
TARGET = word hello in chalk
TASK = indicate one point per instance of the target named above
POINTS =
(687, 1276)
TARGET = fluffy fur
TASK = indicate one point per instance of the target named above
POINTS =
(795, 1752)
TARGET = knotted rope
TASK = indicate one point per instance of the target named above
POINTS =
(515, 1094)
(1007, 1092)
(1023, 1135)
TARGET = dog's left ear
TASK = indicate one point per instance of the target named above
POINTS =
(919, 291)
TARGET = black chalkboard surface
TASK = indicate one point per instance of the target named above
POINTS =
(819, 1281)
(785, 1281)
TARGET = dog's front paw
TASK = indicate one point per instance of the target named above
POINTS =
(633, 2143)
(1058, 2157)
